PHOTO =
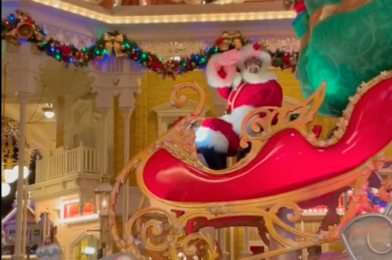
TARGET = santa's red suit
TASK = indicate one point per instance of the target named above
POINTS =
(244, 92)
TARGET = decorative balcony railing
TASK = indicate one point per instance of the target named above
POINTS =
(79, 160)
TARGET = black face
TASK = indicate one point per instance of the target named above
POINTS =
(253, 64)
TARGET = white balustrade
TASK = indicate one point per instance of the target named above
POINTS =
(81, 159)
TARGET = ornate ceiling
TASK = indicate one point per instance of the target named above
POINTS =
(168, 11)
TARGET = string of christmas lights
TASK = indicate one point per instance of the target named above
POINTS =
(375, 200)
(19, 27)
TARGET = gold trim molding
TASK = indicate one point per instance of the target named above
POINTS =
(166, 18)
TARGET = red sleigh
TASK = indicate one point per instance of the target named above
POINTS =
(287, 168)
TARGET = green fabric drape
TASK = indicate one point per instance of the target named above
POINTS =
(312, 5)
(301, 24)
(346, 49)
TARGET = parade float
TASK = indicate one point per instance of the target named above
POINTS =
(254, 192)
(341, 75)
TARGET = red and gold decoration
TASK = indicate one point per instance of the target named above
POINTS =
(23, 27)
(20, 27)
(230, 41)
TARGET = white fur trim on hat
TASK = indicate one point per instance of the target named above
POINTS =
(249, 51)
(213, 79)
(208, 138)
(263, 75)
(236, 117)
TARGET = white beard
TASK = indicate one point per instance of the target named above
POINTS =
(263, 75)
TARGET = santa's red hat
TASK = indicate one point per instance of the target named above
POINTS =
(255, 50)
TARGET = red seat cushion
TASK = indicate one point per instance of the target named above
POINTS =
(287, 161)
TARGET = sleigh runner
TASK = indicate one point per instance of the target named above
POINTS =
(187, 196)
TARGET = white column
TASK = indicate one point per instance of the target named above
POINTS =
(127, 111)
(232, 244)
(246, 251)
(102, 151)
(48, 231)
(222, 242)
(126, 105)
(103, 103)
(304, 251)
(43, 223)
(24, 224)
(23, 97)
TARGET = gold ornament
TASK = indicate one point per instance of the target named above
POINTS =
(113, 43)
(40, 37)
(224, 46)
(230, 39)
(24, 30)
(237, 40)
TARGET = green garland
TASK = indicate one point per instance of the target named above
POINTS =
(20, 27)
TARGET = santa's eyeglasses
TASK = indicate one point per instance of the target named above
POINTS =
(253, 61)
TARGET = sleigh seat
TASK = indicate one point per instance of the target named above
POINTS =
(287, 161)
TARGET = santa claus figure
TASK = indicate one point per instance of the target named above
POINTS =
(243, 79)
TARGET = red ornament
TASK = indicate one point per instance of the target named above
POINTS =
(155, 64)
(28, 20)
(218, 42)
(285, 59)
(256, 46)
(299, 6)
(78, 55)
(317, 129)
(65, 50)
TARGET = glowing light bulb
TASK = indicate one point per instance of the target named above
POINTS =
(15, 171)
(5, 189)
(10, 176)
